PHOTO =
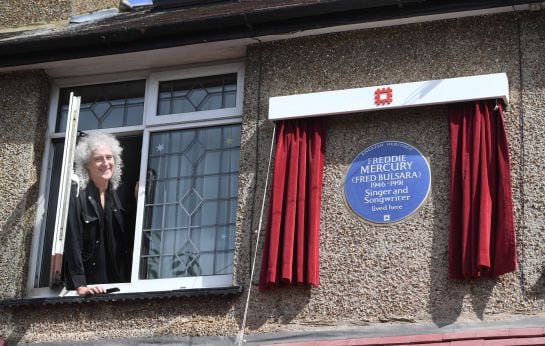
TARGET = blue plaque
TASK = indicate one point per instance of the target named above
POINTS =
(387, 182)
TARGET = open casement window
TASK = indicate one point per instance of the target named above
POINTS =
(180, 133)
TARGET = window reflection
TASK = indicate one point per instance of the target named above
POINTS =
(105, 105)
(191, 199)
(197, 94)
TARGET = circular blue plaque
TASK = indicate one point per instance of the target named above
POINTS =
(387, 182)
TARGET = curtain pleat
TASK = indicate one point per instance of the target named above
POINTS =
(482, 237)
(292, 241)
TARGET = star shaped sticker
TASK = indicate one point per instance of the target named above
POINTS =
(229, 141)
(160, 148)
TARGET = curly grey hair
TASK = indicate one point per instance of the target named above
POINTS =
(85, 149)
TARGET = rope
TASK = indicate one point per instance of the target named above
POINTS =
(258, 231)
(522, 173)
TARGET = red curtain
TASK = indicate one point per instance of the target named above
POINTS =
(292, 243)
(482, 237)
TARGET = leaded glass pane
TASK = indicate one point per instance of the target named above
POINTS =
(167, 266)
(172, 191)
(210, 186)
(229, 99)
(211, 163)
(105, 105)
(224, 263)
(150, 267)
(197, 94)
(170, 216)
(154, 216)
(224, 239)
(158, 193)
(207, 238)
(172, 163)
(194, 216)
(87, 119)
(206, 261)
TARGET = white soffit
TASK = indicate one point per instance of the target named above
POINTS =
(490, 86)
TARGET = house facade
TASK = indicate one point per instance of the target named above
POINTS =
(190, 89)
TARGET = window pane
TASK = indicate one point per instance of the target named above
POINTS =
(232, 137)
(104, 105)
(197, 214)
(230, 99)
(212, 102)
(184, 186)
(210, 187)
(204, 238)
(195, 151)
(149, 267)
(224, 263)
(170, 216)
(172, 166)
(135, 113)
(156, 167)
(42, 275)
(182, 105)
(113, 117)
(206, 262)
(211, 163)
(167, 266)
(157, 145)
(154, 217)
(225, 240)
(197, 94)
(211, 138)
(155, 192)
(169, 242)
(172, 191)
(163, 106)
(87, 119)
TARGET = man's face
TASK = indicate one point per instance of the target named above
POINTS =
(101, 165)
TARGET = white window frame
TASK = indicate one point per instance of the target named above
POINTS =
(165, 76)
(151, 123)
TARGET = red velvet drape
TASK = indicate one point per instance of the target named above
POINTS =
(292, 243)
(482, 238)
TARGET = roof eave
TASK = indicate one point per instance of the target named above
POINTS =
(104, 39)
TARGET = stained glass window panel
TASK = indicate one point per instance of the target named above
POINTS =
(195, 215)
(104, 105)
(197, 94)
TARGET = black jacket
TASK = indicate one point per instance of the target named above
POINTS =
(93, 252)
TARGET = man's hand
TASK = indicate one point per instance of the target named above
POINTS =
(89, 291)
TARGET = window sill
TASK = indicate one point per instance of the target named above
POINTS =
(113, 297)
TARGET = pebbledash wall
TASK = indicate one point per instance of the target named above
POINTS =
(370, 275)
(26, 14)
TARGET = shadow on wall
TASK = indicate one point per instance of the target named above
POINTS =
(10, 231)
(280, 304)
(13, 288)
(538, 288)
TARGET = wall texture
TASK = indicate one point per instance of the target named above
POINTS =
(398, 273)
(369, 275)
(18, 14)
(24, 98)
(533, 122)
